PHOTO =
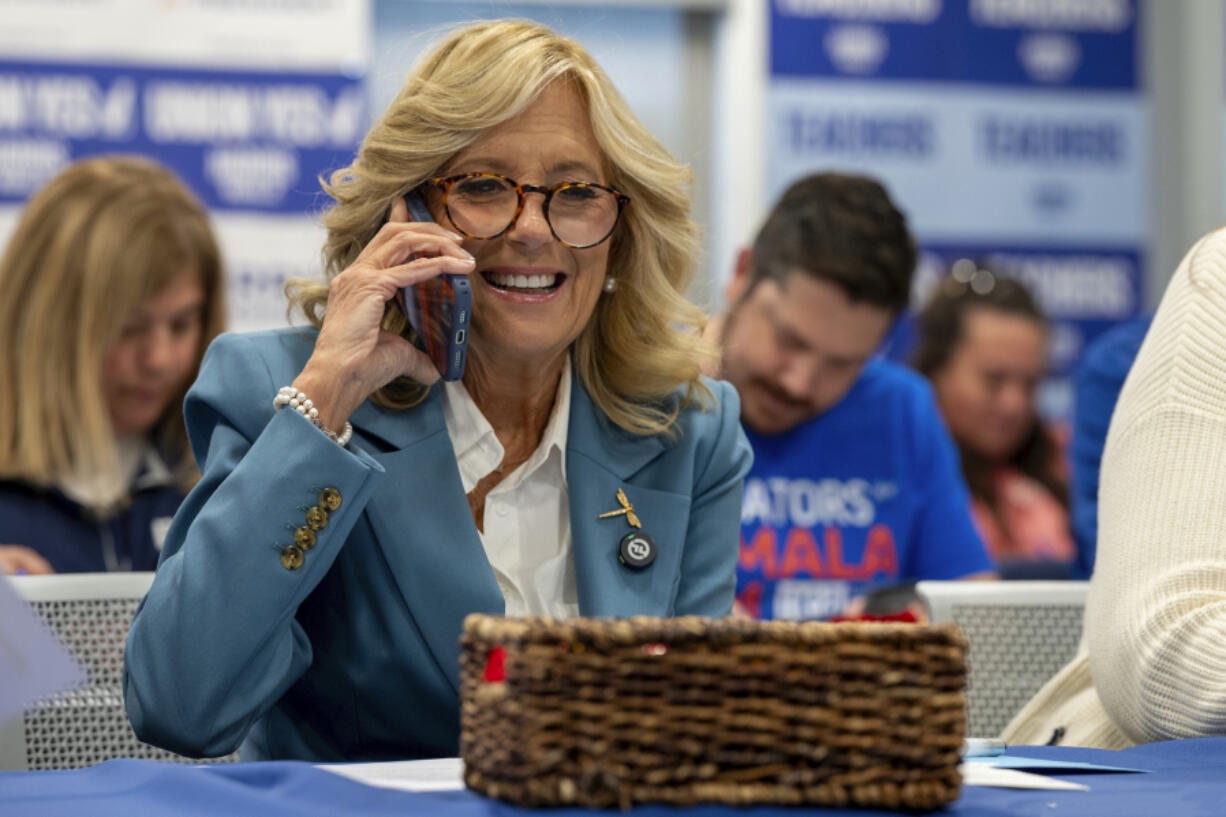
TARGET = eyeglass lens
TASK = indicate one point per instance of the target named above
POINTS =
(485, 206)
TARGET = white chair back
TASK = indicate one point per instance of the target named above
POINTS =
(1021, 633)
(90, 613)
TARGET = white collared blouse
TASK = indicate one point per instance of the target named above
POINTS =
(527, 535)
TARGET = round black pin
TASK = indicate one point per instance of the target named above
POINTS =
(637, 550)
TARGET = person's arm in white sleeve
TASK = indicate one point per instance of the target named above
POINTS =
(1156, 615)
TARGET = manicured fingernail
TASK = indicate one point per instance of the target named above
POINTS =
(456, 236)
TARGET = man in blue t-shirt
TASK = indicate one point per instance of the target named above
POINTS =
(855, 484)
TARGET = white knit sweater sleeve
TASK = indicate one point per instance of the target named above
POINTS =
(1156, 616)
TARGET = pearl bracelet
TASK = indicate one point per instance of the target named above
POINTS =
(299, 402)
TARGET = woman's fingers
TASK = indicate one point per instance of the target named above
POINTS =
(395, 267)
(399, 211)
(397, 231)
(364, 290)
(423, 269)
(19, 559)
(352, 348)
(405, 245)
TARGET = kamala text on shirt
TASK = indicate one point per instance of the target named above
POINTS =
(867, 494)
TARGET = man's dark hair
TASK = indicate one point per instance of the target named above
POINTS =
(842, 229)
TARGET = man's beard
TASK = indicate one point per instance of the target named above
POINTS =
(788, 400)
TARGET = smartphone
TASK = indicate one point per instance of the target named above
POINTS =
(438, 310)
(890, 599)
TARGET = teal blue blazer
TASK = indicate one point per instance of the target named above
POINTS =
(353, 655)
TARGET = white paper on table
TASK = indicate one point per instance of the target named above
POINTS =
(447, 774)
(982, 774)
(32, 663)
(439, 774)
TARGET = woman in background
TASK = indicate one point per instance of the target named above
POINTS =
(111, 290)
(983, 344)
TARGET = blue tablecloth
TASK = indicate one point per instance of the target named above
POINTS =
(1186, 779)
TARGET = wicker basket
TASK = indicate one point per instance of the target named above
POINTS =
(603, 713)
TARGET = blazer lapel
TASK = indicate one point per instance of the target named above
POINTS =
(423, 525)
(602, 458)
(422, 522)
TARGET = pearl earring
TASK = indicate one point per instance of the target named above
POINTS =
(610, 284)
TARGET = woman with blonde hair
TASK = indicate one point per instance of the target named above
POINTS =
(353, 510)
(112, 289)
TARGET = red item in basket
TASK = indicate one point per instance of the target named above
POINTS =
(906, 617)
(495, 666)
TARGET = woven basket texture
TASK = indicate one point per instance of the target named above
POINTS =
(614, 712)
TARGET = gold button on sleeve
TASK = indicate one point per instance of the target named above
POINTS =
(317, 518)
(292, 557)
(304, 538)
(329, 499)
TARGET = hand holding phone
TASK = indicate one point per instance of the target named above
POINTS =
(438, 309)
(354, 356)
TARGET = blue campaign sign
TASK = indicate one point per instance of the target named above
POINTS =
(965, 162)
(1090, 44)
(243, 140)
(1083, 290)
(1011, 132)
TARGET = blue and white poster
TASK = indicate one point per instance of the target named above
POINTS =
(1009, 131)
(249, 103)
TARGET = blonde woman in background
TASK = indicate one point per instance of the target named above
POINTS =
(310, 599)
(110, 290)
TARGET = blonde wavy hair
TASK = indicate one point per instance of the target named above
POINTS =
(643, 343)
(98, 241)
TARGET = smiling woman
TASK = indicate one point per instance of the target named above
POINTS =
(983, 344)
(112, 290)
(582, 466)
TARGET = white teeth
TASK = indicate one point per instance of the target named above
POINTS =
(507, 281)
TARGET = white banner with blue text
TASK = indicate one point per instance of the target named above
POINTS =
(248, 101)
(1012, 132)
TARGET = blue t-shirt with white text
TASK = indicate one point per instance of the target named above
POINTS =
(865, 495)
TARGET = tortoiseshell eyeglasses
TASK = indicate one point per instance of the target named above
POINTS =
(486, 205)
